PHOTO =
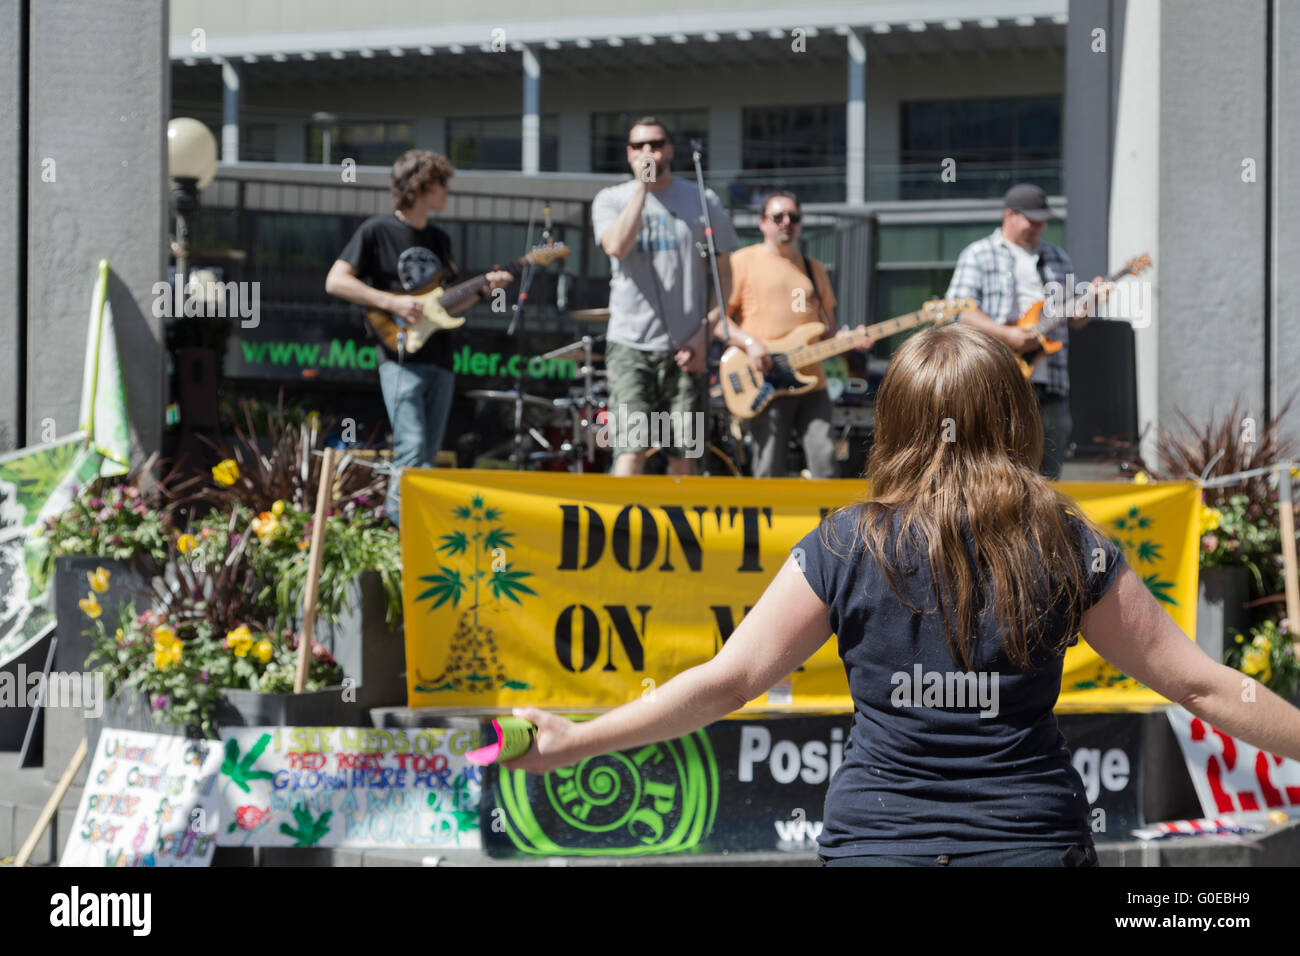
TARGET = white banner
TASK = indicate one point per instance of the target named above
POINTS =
(1230, 775)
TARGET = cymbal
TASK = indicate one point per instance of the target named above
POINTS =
(575, 348)
(590, 315)
(508, 395)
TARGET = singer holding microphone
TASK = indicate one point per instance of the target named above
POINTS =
(652, 227)
(401, 252)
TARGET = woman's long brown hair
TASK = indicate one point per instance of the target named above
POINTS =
(958, 440)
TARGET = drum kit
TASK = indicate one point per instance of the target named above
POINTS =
(566, 428)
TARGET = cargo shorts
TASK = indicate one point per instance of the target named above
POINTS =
(653, 403)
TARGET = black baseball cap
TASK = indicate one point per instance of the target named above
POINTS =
(1028, 200)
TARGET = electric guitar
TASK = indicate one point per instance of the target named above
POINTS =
(439, 303)
(1032, 319)
(747, 392)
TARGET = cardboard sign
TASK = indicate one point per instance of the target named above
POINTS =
(351, 787)
(147, 802)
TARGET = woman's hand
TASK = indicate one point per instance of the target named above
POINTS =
(556, 743)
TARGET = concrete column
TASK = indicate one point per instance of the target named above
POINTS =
(101, 116)
(532, 131)
(855, 122)
(1135, 200)
(230, 103)
(1214, 173)
(1285, 226)
(1092, 57)
(14, 173)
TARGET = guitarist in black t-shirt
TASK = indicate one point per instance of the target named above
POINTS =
(401, 252)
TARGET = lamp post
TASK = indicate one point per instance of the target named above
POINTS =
(191, 164)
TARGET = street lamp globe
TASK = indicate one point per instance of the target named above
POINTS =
(191, 151)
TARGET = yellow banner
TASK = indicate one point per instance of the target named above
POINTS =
(586, 591)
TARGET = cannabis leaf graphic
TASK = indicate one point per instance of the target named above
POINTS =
(1158, 588)
(1149, 551)
(309, 831)
(497, 538)
(241, 771)
(447, 586)
(453, 543)
(506, 583)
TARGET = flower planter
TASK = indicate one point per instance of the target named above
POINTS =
(1220, 596)
(64, 727)
(370, 652)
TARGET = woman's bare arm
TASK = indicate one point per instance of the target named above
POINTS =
(1132, 631)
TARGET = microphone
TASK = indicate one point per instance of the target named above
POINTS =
(562, 291)
(546, 229)
(697, 145)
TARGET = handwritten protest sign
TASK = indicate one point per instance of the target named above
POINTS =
(349, 787)
(148, 801)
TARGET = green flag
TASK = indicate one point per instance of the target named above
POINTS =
(103, 397)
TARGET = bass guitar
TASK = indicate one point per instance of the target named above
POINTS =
(747, 391)
(438, 303)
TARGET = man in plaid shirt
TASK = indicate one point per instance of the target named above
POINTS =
(1005, 273)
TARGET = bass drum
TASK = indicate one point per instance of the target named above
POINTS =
(719, 463)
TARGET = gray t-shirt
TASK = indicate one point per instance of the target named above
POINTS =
(659, 291)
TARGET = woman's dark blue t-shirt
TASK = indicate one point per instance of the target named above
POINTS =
(941, 760)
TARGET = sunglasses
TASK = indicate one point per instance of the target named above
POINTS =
(779, 217)
(652, 143)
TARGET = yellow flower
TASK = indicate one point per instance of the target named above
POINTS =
(98, 579)
(1254, 661)
(1260, 641)
(263, 650)
(91, 606)
(121, 638)
(1240, 638)
(277, 509)
(313, 421)
(240, 640)
(1141, 478)
(166, 648)
(225, 473)
(186, 543)
(1210, 518)
(266, 526)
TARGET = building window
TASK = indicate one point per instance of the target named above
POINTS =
(994, 144)
(369, 144)
(496, 142)
(609, 137)
(257, 143)
(801, 148)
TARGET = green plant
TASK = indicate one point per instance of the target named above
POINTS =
(207, 632)
(112, 520)
(1268, 655)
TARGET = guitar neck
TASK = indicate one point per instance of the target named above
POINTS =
(1047, 325)
(463, 293)
(818, 351)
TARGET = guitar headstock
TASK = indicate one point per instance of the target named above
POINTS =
(1135, 265)
(543, 256)
(940, 311)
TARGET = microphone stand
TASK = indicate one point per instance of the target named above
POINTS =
(711, 251)
(516, 328)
